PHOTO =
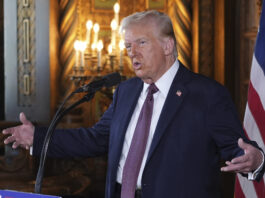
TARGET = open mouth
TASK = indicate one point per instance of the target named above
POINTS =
(136, 65)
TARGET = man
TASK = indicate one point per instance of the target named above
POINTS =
(190, 121)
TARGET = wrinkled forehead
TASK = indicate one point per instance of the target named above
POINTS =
(139, 31)
(143, 23)
(141, 27)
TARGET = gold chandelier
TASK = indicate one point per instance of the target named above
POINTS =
(91, 60)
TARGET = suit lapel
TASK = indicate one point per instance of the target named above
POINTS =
(129, 100)
(176, 95)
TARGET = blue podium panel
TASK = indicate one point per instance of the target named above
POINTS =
(16, 194)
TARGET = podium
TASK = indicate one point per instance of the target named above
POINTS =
(16, 194)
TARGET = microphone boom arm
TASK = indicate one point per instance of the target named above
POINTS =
(58, 116)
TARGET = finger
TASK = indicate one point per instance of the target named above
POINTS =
(7, 131)
(240, 159)
(23, 118)
(228, 163)
(9, 139)
(15, 145)
(242, 144)
(242, 167)
(230, 168)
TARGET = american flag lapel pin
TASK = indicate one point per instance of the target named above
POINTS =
(178, 93)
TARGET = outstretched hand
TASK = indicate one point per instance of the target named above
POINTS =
(21, 135)
(246, 163)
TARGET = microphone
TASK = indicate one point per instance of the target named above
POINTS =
(107, 81)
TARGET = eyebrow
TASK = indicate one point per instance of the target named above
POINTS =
(137, 40)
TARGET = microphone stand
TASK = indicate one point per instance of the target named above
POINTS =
(58, 116)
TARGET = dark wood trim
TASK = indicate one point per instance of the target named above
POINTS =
(230, 37)
(219, 41)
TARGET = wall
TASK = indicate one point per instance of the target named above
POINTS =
(32, 97)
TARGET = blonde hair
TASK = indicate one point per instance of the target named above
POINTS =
(161, 20)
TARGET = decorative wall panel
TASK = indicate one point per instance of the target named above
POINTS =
(68, 35)
(26, 52)
(26, 55)
(180, 14)
(156, 4)
(206, 38)
(103, 5)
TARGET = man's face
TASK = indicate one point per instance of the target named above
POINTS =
(145, 48)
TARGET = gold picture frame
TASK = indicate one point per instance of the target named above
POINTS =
(103, 5)
(156, 5)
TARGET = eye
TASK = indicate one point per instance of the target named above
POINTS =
(128, 47)
(142, 42)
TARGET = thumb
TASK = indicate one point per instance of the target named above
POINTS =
(23, 118)
(242, 144)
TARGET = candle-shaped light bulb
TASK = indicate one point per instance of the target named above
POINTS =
(89, 26)
(77, 48)
(96, 30)
(100, 45)
(114, 26)
(116, 8)
(99, 48)
(76, 45)
(82, 50)
(93, 46)
(96, 27)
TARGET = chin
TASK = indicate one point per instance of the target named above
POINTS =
(144, 78)
(139, 73)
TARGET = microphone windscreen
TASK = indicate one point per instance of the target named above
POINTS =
(112, 79)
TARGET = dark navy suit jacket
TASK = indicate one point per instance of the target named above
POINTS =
(195, 130)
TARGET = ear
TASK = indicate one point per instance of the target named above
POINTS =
(168, 46)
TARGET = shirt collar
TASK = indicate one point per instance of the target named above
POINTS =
(165, 81)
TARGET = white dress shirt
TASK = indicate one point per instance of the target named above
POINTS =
(163, 84)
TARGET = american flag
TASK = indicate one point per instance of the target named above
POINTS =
(254, 120)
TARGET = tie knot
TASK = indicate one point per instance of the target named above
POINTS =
(152, 89)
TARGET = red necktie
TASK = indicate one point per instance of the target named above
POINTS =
(137, 149)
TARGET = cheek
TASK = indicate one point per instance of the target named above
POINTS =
(149, 54)
(157, 57)
(152, 56)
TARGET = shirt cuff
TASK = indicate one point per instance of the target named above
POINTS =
(31, 151)
(253, 175)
